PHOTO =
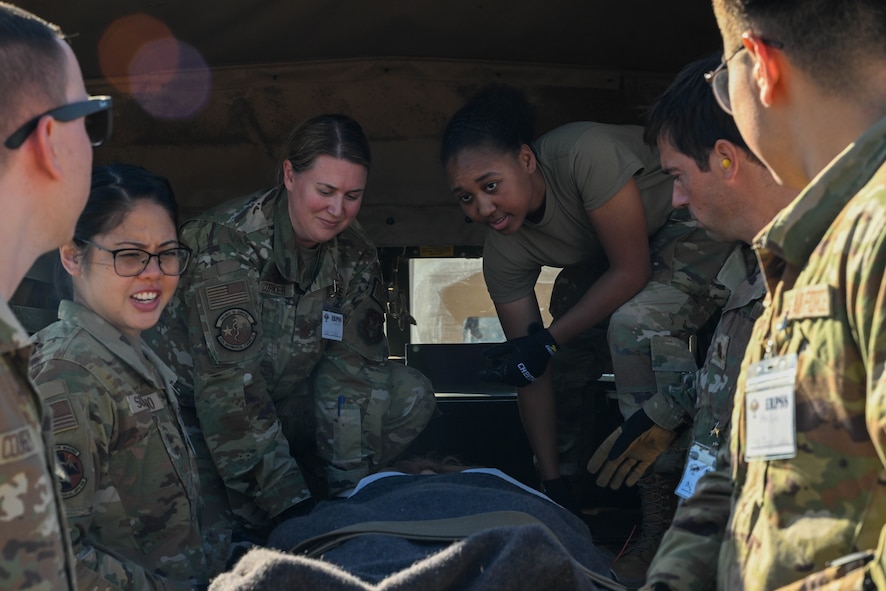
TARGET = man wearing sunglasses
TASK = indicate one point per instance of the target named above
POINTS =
(799, 497)
(47, 130)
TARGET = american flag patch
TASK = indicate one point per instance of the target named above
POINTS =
(63, 418)
(227, 294)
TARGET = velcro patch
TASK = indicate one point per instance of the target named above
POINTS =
(372, 326)
(149, 403)
(73, 479)
(276, 289)
(18, 444)
(720, 350)
(236, 329)
(227, 294)
(814, 301)
(63, 417)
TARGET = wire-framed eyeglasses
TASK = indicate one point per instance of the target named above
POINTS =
(97, 111)
(129, 262)
(718, 78)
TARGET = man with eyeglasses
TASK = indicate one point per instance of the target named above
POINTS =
(731, 195)
(48, 128)
(799, 497)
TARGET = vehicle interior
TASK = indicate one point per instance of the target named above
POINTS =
(205, 93)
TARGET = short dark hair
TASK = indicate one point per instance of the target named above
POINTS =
(498, 117)
(114, 192)
(688, 117)
(335, 135)
(32, 65)
(824, 38)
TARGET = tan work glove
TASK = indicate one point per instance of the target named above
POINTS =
(629, 451)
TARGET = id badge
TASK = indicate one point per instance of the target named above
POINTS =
(699, 461)
(333, 324)
(770, 415)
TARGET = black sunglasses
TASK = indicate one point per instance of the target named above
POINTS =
(96, 110)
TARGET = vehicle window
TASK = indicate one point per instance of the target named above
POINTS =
(450, 304)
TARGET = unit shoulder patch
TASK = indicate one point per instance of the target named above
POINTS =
(73, 479)
(236, 329)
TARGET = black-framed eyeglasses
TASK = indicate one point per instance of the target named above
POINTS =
(718, 78)
(129, 262)
(97, 111)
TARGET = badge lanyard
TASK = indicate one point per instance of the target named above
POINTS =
(332, 324)
(702, 458)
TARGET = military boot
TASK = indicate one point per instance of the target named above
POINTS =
(658, 503)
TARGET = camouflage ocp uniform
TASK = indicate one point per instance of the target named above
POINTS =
(130, 485)
(35, 551)
(246, 337)
(704, 398)
(685, 291)
(777, 521)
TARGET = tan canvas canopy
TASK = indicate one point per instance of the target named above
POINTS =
(206, 92)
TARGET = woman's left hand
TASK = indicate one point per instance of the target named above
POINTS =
(520, 361)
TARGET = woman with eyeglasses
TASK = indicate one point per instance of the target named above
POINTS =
(130, 483)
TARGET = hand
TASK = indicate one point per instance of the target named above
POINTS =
(629, 451)
(559, 491)
(521, 361)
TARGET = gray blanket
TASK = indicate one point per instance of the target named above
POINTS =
(517, 557)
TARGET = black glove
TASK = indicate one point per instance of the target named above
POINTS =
(559, 491)
(629, 451)
(520, 361)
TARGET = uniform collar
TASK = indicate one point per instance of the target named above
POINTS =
(795, 232)
(142, 360)
(314, 274)
(12, 334)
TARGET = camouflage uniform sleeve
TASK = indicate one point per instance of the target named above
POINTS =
(83, 431)
(237, 415)
(364, 304)
(871, 323)
(34, 549)
(688, 554)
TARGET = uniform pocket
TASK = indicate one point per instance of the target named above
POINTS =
(347, 435)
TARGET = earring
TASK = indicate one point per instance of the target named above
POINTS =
(726, 163)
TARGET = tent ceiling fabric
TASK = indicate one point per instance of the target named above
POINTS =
(642, 35)
(212, 112)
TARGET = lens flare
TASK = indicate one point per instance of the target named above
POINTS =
(170, 79)
(140, 56)
(122, 40)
